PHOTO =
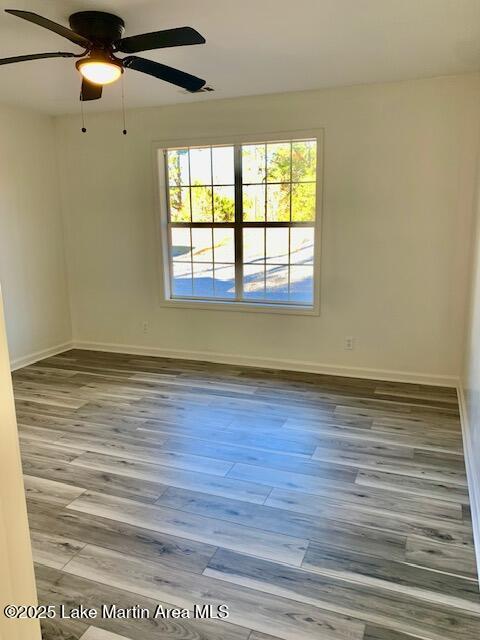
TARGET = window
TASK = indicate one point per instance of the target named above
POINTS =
(241, 223)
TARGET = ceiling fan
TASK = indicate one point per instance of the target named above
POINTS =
(101, 36)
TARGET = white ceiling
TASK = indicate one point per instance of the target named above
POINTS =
(253, 46)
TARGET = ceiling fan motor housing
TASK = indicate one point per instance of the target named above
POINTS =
(99, 27)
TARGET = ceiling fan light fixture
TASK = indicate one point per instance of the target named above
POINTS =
(100, 35)
(98, 71)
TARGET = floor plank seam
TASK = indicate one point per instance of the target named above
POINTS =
(73, 556)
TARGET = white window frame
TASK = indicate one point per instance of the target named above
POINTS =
(161, 223)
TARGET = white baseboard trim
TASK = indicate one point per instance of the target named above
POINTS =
(473, 472)
(273, 363)
(31, 358)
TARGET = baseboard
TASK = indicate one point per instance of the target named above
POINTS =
(274, 363)
(24, 361)
(247, 361)
(473, 472)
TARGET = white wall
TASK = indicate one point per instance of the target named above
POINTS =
(399, 183)
(17, 583)
(470, 381)
(32, 261)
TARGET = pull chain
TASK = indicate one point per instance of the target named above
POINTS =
(124, 113)
(84, 129)
(123, 106)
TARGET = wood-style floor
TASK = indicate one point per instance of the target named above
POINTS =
(316, 508)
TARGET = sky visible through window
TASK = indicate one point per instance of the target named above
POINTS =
(275, 233)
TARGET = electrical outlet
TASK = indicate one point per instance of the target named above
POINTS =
(349, 343)
(145, 326)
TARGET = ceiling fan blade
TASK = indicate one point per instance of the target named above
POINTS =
(161, 71)
(159, 40)
(51, 26)
(90, 91)
(37, 56)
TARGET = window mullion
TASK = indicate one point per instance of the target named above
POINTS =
(238, 222)
(213, 219)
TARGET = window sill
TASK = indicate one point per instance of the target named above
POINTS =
(249, 307)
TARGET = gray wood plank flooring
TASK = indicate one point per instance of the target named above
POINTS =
(315, 507)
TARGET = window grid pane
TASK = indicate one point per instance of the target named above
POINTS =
(278, 188)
